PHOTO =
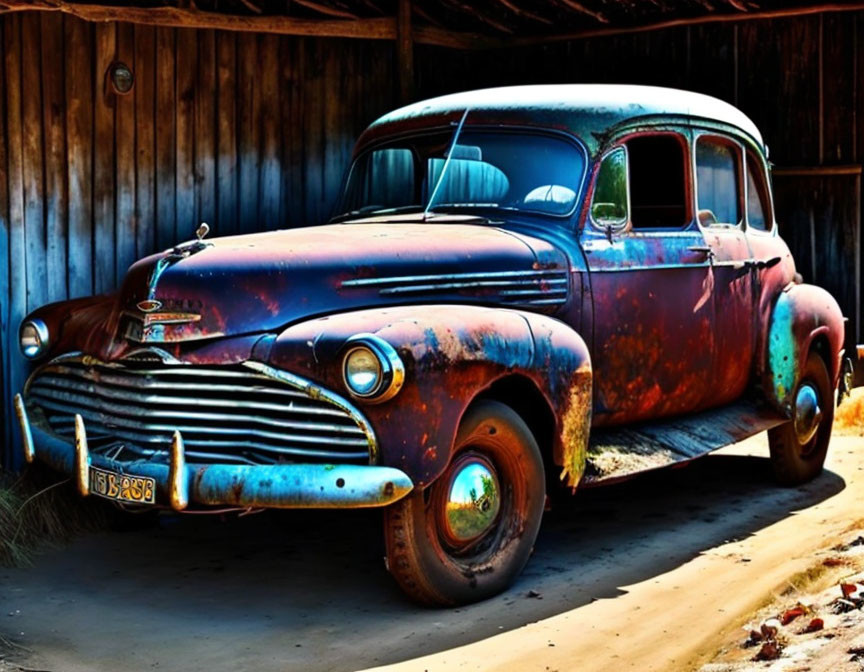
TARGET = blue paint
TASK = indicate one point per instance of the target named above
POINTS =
(782, 350)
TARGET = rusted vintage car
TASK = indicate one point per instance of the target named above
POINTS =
(527, 290)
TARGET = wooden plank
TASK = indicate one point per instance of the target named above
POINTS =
(15, 175)
(314, 146)
(293, 110)
(405, 51)
(126, 223)
(712, 60)
(79, 154)
(226, 167)
(6, 454)
(54, 123)
(145, 140)
(248, 131)
(205, 132)
(104, 102)
(785, 105)
(33, 165)
(187, 66)
(838, 88)
(269, 186)
(820, 221)
(166, 151)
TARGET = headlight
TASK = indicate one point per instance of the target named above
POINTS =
(372, 369)
(33, 338)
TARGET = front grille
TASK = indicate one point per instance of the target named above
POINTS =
(226, 414)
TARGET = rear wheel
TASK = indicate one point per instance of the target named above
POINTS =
(798, 448)
(468, 535)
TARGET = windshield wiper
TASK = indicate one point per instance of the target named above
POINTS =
(376, 210)
(440, 180)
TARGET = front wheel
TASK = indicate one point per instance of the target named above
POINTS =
(468, 535)
(798, 448)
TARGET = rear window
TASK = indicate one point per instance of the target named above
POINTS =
(717, 194)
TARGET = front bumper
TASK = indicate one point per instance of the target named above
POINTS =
(179, 485)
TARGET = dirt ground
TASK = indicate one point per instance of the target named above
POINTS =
(648, 575)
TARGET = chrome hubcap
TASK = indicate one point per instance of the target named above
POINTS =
(473, 500)
(808, 415)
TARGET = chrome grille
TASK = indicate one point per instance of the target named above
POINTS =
(517, 288)
(226, 414)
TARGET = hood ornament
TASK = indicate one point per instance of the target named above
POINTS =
(149, 305)
(202, 231)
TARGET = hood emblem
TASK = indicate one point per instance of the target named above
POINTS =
(149, 305)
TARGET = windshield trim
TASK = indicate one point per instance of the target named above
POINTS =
(485, 128)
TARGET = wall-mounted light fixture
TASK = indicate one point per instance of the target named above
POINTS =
(121, 77)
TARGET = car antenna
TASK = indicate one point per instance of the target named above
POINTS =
(446, 164)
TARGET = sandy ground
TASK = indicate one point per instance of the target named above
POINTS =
(645, 575)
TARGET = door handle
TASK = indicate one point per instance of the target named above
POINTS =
(703, 249)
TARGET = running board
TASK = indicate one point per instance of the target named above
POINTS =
(616, 453)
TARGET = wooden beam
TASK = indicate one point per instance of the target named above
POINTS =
(383, 28)
(817, 171)
(693, 21)
(405, 51)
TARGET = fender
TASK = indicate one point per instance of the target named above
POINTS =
(801, 315)
(451, 354)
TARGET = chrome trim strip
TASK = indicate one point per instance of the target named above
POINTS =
(58, 394)
(110, 393)
(391, 280)
(26, 434)
(316, 392)
(479, 284)
(662, 267)
(89, 413)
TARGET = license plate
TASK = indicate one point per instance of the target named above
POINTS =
(111, 485)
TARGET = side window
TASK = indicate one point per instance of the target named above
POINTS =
(758, 211)
(717, 182)
(657, 182)
(609, 205)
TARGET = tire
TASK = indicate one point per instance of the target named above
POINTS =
(471, 550)
(798, 459)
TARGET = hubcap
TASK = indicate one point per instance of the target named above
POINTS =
(473, 499)
(808, 415)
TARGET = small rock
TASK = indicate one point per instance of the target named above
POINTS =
(770, 628)
(534, 594)
(769, 651)
(815, 625)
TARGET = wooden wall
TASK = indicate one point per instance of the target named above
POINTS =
(251, 132)
(243, 131)
(799, 79)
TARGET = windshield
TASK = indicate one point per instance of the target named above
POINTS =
(489, 170)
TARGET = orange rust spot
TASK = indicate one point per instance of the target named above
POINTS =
(431, 453)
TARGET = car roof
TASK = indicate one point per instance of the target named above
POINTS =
(589, 111)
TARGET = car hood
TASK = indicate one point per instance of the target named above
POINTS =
(262, 282)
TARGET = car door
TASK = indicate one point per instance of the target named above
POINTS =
(651, 283)
(718, 168)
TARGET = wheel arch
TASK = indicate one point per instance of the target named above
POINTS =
(524, 396)
(804, 318)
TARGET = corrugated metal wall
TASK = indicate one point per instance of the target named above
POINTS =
(243, 131)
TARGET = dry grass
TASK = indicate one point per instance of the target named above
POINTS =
(849, 416)
(39, 508)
